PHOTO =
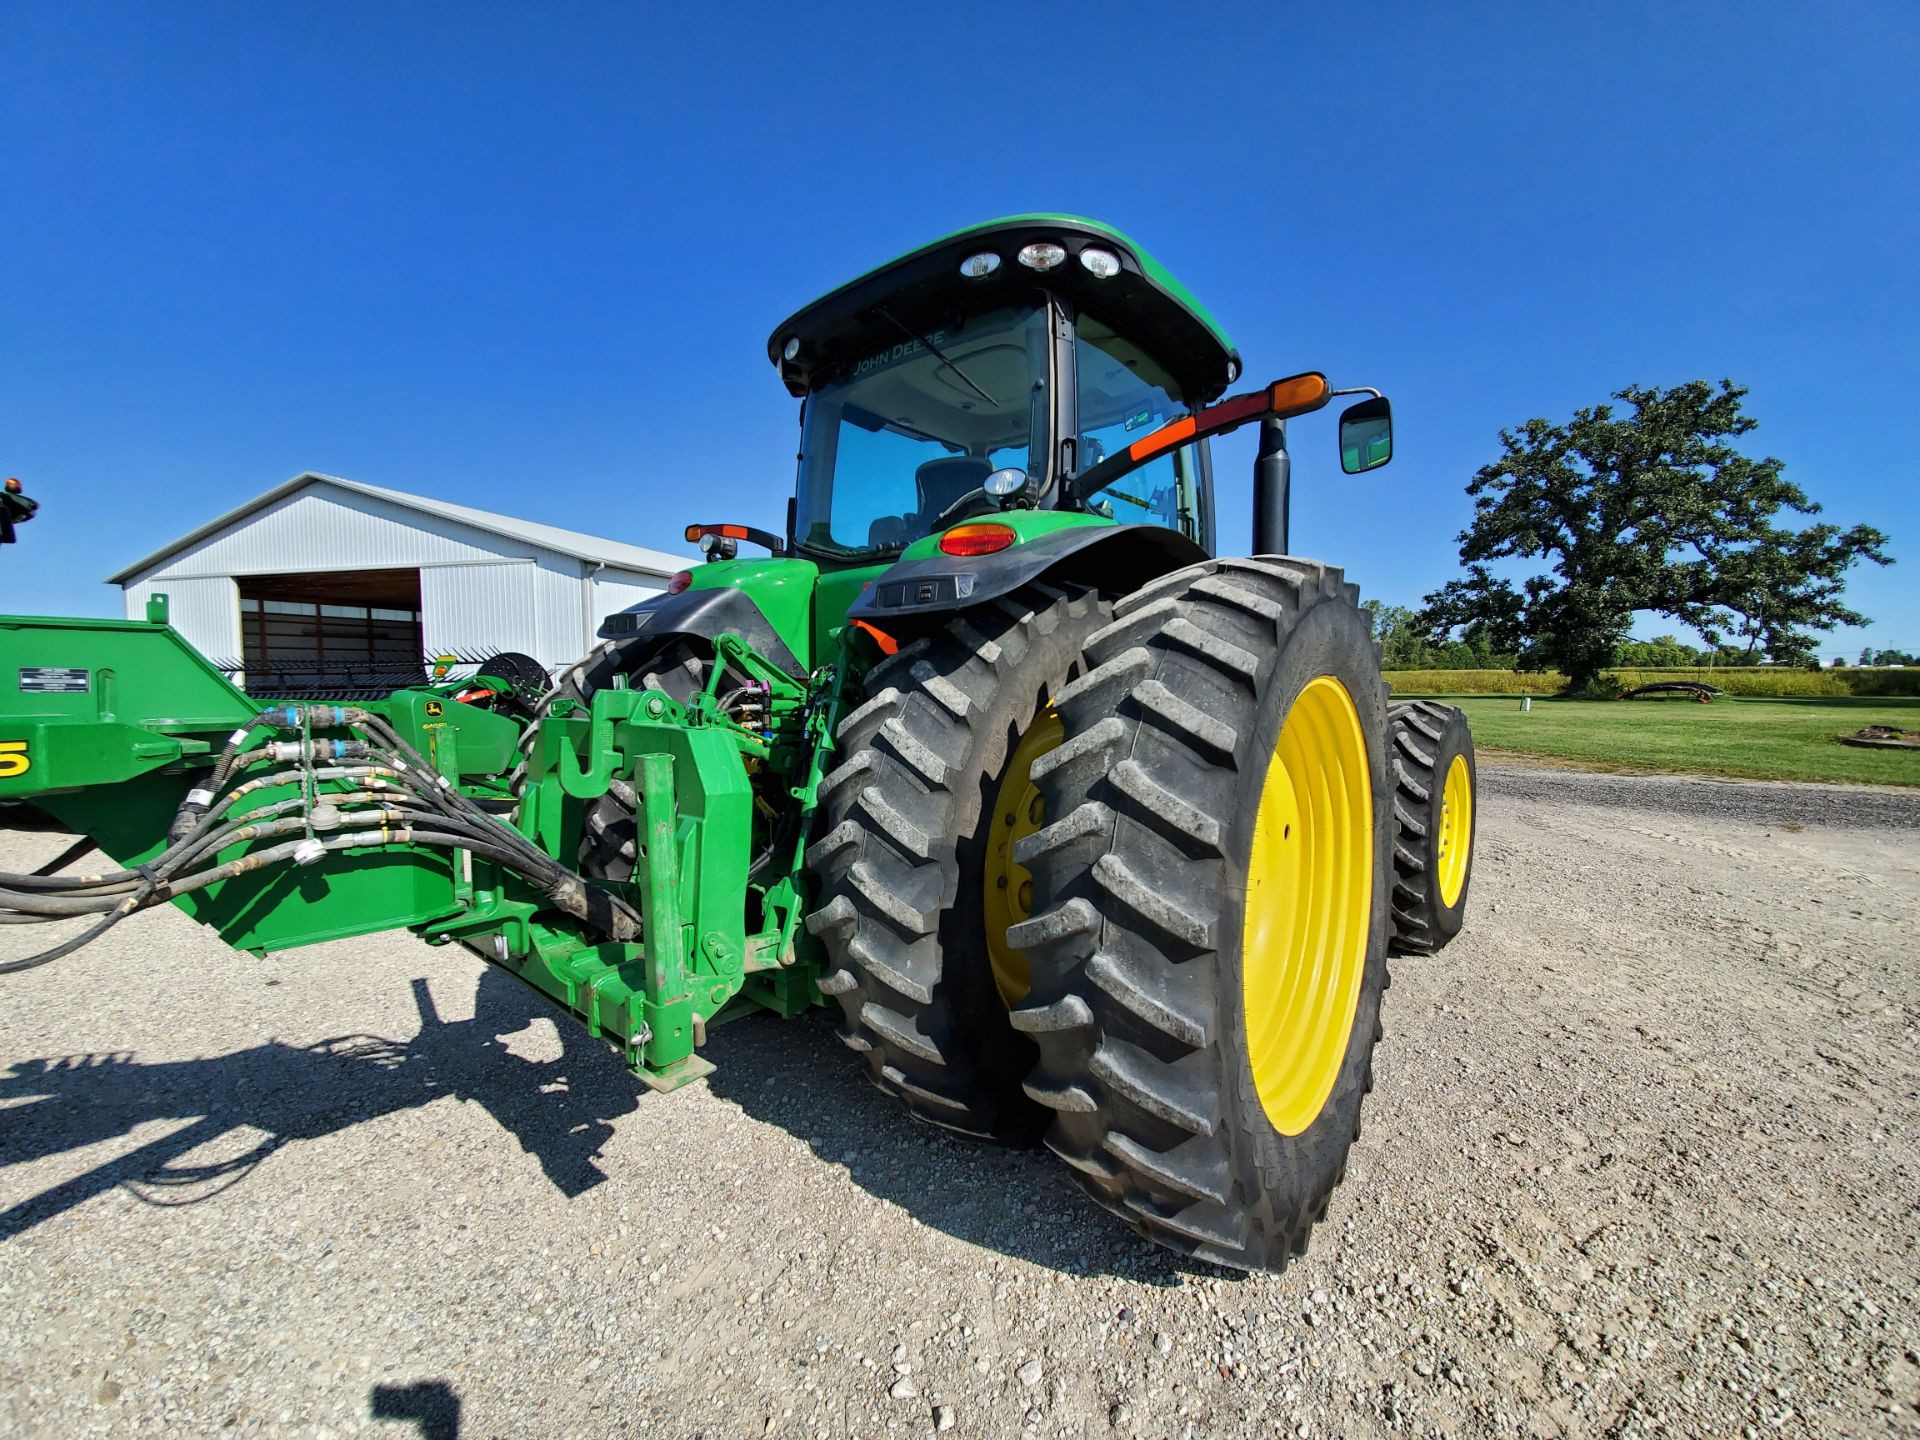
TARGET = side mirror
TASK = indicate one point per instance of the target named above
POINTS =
(1366, 435)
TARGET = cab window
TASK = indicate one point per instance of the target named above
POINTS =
(1124, 394)
(894, 445)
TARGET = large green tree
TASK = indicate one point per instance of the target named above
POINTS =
(1651, 509)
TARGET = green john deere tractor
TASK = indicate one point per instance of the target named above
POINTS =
(1090, 834)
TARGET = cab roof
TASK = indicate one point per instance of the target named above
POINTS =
(919, 289)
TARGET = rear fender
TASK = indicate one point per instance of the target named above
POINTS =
(704, 614)
(1114, 558)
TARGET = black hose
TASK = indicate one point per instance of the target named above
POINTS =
(177, 857)
(566, 889)
(65, 947)
(193, 843)
(441, 785)
(453, 820)
(56, 906)
(446, 796)
(187, 818)
(105, 884)
(162, 876)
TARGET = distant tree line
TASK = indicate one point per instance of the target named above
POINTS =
(1406, 644)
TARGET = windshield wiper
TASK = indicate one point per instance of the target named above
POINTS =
(938, 355)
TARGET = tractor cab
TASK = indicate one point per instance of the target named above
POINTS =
(986, 372)
(1030, 396)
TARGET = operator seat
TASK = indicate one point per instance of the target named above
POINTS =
(939, 483)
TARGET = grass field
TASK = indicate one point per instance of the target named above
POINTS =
(1769, 681)
(1759, 739)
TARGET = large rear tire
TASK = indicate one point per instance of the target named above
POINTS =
(1208, 944)
(1435, 788)
(903, 863)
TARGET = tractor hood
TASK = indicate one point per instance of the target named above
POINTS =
(922, 288)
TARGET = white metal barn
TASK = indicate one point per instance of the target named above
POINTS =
(343, 574)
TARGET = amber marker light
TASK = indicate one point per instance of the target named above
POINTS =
(1298, 394)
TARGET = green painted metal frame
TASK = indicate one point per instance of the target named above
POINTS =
(697, 958)
(113, 759)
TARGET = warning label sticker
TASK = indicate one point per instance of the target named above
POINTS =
(45, 679)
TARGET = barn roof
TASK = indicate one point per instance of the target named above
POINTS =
(527, 532)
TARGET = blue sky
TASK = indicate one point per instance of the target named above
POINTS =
(528, 259)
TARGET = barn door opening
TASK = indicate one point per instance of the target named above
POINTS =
(335, 635)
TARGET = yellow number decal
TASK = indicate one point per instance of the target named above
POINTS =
(13, 759)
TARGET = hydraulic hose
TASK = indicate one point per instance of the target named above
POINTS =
(232, 758)
(65, 947)
(411, 801)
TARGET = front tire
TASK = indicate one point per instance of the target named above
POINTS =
(1208, 947)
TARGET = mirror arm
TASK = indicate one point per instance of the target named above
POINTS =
(1297, 395)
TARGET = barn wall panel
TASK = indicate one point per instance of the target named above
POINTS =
(480, 607)
(205, 611)
(557, 596)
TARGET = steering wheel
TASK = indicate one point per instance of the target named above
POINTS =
(953, 511)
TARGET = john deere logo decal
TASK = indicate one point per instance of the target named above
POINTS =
(435, 709)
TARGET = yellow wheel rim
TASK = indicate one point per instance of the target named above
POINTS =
(1456, 832)
(1018, 811)
(1303, 947)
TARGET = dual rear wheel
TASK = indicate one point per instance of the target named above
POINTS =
(1120, 876)
(1433, 815)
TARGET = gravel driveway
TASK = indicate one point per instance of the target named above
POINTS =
(1642, 1160)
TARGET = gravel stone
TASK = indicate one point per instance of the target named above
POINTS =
(370, 1188)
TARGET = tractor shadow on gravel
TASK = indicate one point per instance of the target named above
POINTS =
(242, 1107)
(797, 1077)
